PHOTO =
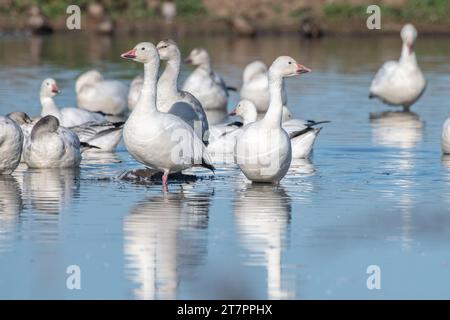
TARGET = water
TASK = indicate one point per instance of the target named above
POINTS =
(376, 192)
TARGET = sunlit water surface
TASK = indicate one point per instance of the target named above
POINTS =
(376, 192)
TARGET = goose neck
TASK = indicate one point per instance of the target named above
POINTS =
(147, 98)
(168, 82)
(274, 112)
(49, 107)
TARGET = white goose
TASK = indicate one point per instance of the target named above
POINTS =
(301, 132)
(159, 140)
(170, 98)
(11, 139)
(204, 84)
(263, 150)
(135, 91)
(52, 146)
(400, 83)
(446, 137)
(68, 117)
(104, 137)
(255, 86)
(98, 95)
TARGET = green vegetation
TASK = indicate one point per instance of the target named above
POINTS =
(117, 8)
(423, 10)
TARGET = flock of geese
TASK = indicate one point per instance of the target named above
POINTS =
(168, 128)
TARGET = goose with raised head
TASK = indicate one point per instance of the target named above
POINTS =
(400, 83)
(255, 86)
(156, 139)
(11, 140)
(68, 117)
(52, 146)
(96, 94)
(170, 98)
(263, 150)
(205, 84)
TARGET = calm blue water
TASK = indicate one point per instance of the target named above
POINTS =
(375, 192)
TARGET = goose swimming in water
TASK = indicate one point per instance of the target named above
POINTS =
(400, 83)
(156, 139)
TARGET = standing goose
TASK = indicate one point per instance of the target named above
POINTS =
(204, 84)
(255, 86)
(400, 83)
(170, 98)
(52, 146)
(156, 139)
(263, 150)
(11, 139)
(98, 95)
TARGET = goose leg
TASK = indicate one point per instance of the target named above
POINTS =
(164, 180)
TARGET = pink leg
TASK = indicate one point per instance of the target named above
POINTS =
(164, 181)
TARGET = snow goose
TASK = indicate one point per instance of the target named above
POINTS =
(68, 117)
(104, 136)
(206, 85)
(170, 98)
(255, 86)
(135, 91)
(52, 146)
(263, 150)
(400, 83)
(11, 139)
(301, 132)
(98, 95)
(156, 139)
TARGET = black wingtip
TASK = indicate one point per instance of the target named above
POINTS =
(232, 89)
(88, 146)
(208, 166)
(371, 96)
(119, 124)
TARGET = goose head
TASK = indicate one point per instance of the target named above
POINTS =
(168, 50)
(144, 52)
(49, 88)
(197, 57)
(19, 117)
(409, 35)
(285, 66)
(245, 109)
(45, 124)
(88, 78)
(254, 69)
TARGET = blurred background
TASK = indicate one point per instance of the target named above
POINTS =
(310, 18)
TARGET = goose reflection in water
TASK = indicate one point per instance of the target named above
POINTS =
(396, 129)
(262, 215)
(10, 207)
(50, 190)
(163, 241)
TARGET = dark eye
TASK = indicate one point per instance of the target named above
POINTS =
(143, 48)
(290, 62)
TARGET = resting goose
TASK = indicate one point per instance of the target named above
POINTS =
(11, 139)
(263, 150)
(52, 146)
(204, 84)
(98, 95)
(170, 98)
(255, 86)
(400, 83)
(156, 139)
